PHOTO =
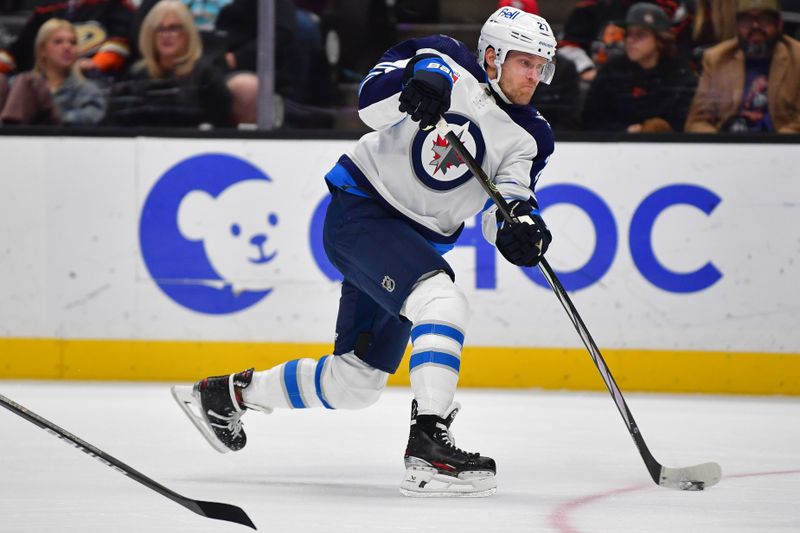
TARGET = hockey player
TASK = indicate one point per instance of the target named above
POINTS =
(399, 201)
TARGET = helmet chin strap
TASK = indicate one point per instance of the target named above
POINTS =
(495, 83)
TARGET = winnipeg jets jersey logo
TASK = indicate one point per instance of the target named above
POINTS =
(436, 164)
(444, 155)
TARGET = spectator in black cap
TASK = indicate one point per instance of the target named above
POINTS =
(649, 88)
(750, 83)
(591, 36)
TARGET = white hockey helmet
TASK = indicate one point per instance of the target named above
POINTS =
(510, 28)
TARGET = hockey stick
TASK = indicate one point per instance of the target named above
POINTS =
(218, 511)
(695, 477)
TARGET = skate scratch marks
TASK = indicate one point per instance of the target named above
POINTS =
(560, 517)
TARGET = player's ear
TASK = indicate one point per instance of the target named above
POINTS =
(194, 215)
(488, 62)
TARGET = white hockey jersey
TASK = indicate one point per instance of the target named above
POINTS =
(415, 173)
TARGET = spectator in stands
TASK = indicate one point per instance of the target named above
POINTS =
(752, 82)
(714, 21)
(239, 22)
(55, 91)
(591, 36)
(205, 14)
(649, 88)
(229, 32)
(708, 23)
(299, 54)
(560, 101)
(172, 85)
(102, 28)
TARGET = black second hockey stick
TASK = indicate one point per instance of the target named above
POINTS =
(218, 511)
(696, 477)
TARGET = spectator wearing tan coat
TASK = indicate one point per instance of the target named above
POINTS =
(750, 83)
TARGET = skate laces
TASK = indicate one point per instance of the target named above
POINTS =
(232, 423)
(446, 437)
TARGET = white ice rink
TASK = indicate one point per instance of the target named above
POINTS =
(565, 465)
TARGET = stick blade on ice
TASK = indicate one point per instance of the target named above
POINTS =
(219, 511)
(697, 477)
(223, 511)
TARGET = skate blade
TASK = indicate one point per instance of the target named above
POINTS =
(429, 483)
(190, 404)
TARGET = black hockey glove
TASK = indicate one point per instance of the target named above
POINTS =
(523, 243)
(427, 83)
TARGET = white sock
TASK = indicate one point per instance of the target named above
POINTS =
(439, 312)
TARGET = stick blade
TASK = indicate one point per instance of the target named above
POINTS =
(223, 511)
(697, 477)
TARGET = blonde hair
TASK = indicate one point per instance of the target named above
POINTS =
(194, 49)
(46, 31)
(722, 15)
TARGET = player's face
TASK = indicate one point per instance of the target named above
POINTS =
(640, 44)
(171, 39)
(60, 49)
(521, 75)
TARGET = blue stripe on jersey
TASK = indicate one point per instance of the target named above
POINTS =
(291, 385)
(341, 179)
(441, 249)
(318, 382)
(380, 68)
(437, 329)
(365, 186)
(439, 358)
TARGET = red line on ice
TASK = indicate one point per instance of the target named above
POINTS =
(560, 516)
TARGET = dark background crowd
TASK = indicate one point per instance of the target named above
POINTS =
(622, 65)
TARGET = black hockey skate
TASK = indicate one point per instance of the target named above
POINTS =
(215, 407)
(435, 467)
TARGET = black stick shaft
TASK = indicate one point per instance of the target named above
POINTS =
(653, 467)
(208, 509)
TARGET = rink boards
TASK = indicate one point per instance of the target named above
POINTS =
(169, 259)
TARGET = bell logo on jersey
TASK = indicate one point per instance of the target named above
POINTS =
(208, 234)
(436, 164)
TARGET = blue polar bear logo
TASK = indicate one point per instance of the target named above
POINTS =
(207, 234)
(234, 229)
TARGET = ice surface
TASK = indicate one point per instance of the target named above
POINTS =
(565, 465)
